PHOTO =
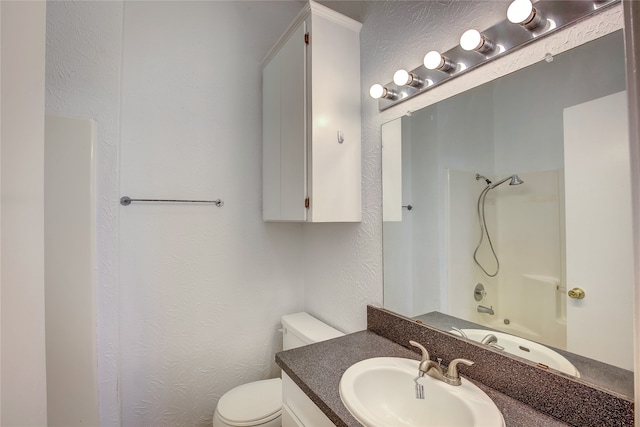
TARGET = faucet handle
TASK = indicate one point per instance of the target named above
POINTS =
(489, 339)
(460, 331)
(425, 353)
(452, 371)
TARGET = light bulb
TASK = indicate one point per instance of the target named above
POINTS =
(405, 78)
(519, 11)
(402, 77)
(378, 91)
(473, 40)
(522, 12)
(435, 61)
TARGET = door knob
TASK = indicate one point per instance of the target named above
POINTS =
(576, 293)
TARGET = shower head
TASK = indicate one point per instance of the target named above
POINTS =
(515, 180)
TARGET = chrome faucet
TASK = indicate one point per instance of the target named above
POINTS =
(489, 339)
(460, 331)
(434, 370)
(492, 341)
(487, 310)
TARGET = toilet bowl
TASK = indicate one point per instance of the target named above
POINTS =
(259, 403)
(253, 404)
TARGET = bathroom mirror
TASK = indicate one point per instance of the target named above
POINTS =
(549, 258)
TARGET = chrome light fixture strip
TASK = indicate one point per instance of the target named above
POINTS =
(507, 37)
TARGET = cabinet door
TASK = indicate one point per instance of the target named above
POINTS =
(301, 409)
(335, 175)
(284, 132)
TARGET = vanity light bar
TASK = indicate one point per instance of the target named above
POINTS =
(494, 42)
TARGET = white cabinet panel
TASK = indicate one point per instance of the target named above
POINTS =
(303, 412)
(335, 108)
(284, 154)
(292, 120)
(289, 419)
(271, 141)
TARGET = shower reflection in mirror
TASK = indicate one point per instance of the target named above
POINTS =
(484, 231)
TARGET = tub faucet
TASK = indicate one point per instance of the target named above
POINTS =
(487, 310)
(460, 331)
(489, 339)
(492, 341)
(434, 370)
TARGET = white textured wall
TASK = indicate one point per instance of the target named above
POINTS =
(189, 297)
(202, 288)
(577, 76)
(22, 212)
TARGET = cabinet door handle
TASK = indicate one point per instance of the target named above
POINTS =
(340, 137)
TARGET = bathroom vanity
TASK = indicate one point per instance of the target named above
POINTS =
(525, 394)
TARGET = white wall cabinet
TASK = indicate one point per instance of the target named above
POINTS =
(311, 120)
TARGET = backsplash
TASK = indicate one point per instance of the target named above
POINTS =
(567, 399)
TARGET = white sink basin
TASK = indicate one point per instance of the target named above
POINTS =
(380, 392)
(526, 349)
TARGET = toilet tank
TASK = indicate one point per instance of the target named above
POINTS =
(301, 329)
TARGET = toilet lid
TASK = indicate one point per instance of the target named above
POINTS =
(259, 401)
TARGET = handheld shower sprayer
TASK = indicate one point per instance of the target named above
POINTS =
(514, 180)
(479, 177)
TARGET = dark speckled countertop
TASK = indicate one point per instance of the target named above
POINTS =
(610, 377)
(317, 369)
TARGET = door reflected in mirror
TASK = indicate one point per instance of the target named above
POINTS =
(522, 186)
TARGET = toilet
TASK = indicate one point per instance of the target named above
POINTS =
(259, 403)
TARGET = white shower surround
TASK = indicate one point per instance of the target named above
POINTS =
(526, 290)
